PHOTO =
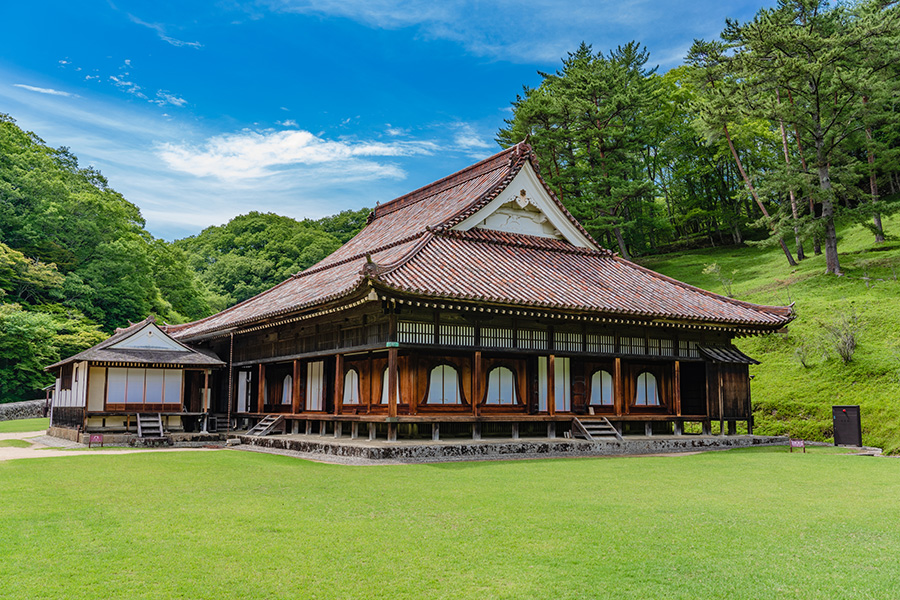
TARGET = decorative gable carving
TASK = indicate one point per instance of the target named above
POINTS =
(526, 207)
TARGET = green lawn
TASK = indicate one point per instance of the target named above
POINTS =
(14, 444)
(748, 524)
(24, 425)
(789, 398)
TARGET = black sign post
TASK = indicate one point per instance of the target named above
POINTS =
(847, 427)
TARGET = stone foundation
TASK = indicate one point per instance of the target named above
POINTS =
(177, 439)
(495, 449)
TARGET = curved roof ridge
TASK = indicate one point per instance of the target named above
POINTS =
(452, 180)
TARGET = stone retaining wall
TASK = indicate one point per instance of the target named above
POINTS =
(30, 409)
(462, 450)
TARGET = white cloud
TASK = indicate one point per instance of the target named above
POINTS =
(288, 123)
(467, 139)
(40, 90)
(161, 32)
(253, 154)
(128, 86)
(163, 97)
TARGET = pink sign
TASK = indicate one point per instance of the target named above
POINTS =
(96, 438)
(798, 444)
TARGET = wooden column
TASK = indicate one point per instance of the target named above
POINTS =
(392, 382)
(721, 402)
(338, 383)
(206, 398)
(261, 388)
(677, 389)
(295, 392)
(371, 385)
(476, 383)
(617, 386)
(551, 385)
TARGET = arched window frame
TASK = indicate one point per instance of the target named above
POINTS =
(603, 400)
(641, 392)
(287, 389)
(384, 387)
(351, 386)
(456, 377)
(497, 400)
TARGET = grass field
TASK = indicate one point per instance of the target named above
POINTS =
(788, 397)
(740, 524)
(23, 425)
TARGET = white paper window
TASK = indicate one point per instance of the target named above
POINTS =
(443, 386)
(154, 387)
(115, 387)
(134, 392)
(501, 387)
(561, 384)
(287, 389)
(647, 392)
(542, 383)
(315, 385)
(173, 386)
(602, 388)
(351, 387)
(243, 387)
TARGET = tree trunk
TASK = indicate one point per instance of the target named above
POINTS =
(832, 263)
(794, 211)
(817, 246)
(752, 189)
(873, 187)
(623, 251)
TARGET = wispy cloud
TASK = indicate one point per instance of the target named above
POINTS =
(164, 97)
(161, 32)
(49, 91)
(253, 154)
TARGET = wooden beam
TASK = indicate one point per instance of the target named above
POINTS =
(551, 385)
(392, 382)
(677, 388)
(338, 383)
(261, 388)
(295, 391)
(619, 400)
(476, 383)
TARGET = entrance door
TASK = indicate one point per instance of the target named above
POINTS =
(693, 388)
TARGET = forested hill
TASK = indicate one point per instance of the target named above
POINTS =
(76, 260)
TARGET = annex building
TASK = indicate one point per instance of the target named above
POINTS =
(476, 304)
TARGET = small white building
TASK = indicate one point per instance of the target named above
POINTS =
(136, 371)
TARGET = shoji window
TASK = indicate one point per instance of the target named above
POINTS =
(351, 387)
(602, 388)
(287, 389)
(647, 392)
(315, 385)
(443, 385)
(561, 383)
(384, 387)
(501, 387)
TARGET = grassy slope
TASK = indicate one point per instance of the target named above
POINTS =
(752, 524)
(790, 398)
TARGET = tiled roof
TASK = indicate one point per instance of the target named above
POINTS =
(103, 352)
(411, 242)
(513, 269)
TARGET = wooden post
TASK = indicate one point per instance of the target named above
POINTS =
(679, 428)
(372, 431)
(617, 385)
(295, 392)
(371, 385)
(354, 430)
(338, 383)
(392, 382)
(392, 432)
(721, 403)
(476, 430)
(261, 389)
(678, 388)
(435, 432)
(551, 385)
(476, 383)
(206, 398)
(515, 431)
(338, 429)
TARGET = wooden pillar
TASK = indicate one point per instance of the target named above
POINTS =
(476, 430)
(372, 431)
(392, 432)
(677, 388)
(648, 428)
(732, 428)
(515, 431)
(323, 427)
(309, 427)
(295, 392)
(617, 386)
(476, 383)
(371, 385)
(721, 403)
(435, 432)
(679, 428)
(338, 383)
(354, 430)
(551, 385)
(261, 388)
(206, 395)
(338, 429)
(392, 383)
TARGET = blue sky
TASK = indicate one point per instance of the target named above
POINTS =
(200, 111)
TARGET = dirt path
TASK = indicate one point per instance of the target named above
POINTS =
(44, 446)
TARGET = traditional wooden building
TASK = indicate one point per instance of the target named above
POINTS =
(478, 303)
